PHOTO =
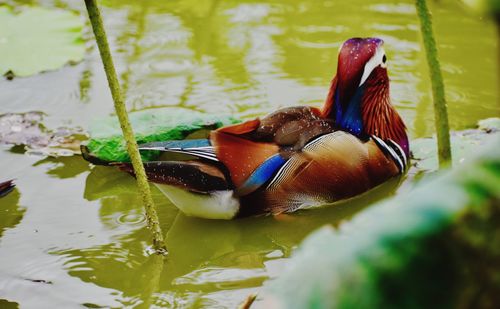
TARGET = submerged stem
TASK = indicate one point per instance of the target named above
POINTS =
(438, 94)
(121, 111)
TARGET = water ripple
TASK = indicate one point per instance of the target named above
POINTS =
(220, 275)
(401, 8)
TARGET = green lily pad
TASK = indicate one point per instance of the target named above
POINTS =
(38, 39)
(106, 142)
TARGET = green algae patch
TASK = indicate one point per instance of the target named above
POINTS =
(38, 39)
(106, 143)
(437, 246)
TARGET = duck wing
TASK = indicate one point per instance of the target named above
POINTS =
(332, 167)
(201, 148)
(253, 151)
(193, 175)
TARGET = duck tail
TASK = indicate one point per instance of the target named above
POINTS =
(197, 188)
(195, 176)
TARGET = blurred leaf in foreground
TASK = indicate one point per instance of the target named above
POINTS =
(38, 39)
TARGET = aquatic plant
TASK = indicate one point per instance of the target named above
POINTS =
(438, 92)
(106, 142)
(56, 34)
(121, 111)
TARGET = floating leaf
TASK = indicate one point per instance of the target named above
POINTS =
(463, 143)
(435, 247)
(107, 144)
(23, 129)
(38, 39)
(27, 129)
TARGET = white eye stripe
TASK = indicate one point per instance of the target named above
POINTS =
(374, 61)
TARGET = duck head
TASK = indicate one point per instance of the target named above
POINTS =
(358, 100)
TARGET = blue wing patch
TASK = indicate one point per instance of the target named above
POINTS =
(261, 175)
(187, 143)
(200, 148)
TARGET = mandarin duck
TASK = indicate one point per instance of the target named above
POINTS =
(297, 157)
(6, 187)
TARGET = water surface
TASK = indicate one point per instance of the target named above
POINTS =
(73, 235)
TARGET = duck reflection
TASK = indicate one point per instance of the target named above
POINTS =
(10, 212)
(194, 242)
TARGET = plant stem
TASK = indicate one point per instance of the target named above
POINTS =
(438, 94)
(248, 302)
(121, 111)
(497, 24)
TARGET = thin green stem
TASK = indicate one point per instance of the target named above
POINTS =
(438, 93)
(121, 111)
(497, 23)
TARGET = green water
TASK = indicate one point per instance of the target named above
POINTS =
(73, 235)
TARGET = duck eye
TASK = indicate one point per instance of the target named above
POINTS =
(384, 59)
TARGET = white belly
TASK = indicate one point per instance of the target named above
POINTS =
(216, 205)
